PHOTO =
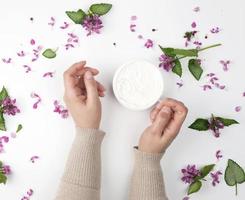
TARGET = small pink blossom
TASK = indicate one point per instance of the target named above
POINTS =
(215, 30)
(3, 139)
(52, 21)
(7, 60)
(34, 158)
(36, 96)
(21, 54)
(213, 82)
(29, 193)
(149, 43)
(225, 64)
(132, 27)
(36, 53)
(32, 42)
(49, 74)
(215, 177)
(27, 67)
(193, 25)
(71, 41)
(65, 25)
(134, 17)
(238, 108)
(6, 170)
(218, 155)
(206, 87)
(140, 37)
(60, 110)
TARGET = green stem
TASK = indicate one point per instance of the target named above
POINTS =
(236, 190)
(202, 49)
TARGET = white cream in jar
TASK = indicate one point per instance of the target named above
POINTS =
(138, 85)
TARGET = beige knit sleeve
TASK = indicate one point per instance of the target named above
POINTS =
(147, 179)
(81, 179)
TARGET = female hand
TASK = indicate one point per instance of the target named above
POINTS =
(167, 118)
(82, 94)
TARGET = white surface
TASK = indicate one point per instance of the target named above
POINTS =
(47, 135)
(138, 85)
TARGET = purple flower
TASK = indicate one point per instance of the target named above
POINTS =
(218, 155)
(189, 173)
(215, 125)
(38, 99)
(149, 43)
(6, 169)
(186, 198)
(60, 110)
(215, 176)
(196, 9)
(193, 25)
(225, 64)
(166, 62)
(215, 30)
(92, 24)
(9, 106)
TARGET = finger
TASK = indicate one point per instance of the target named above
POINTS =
(91, 87)
(101, 94)
(69, 80)
(162, 120)
(154, 113)
(100, 86)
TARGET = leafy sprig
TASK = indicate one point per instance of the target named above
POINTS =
(194, 64)
(213, 123)
(3, 94)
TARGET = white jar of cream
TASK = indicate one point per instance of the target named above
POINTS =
(138, 85)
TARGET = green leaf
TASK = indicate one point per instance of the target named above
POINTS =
(2, 123)
(200, 125)
(205, 171)
(195, 68)
(19, 128)
(76, 16)
(3, 94)
(226, 121)
(234, 174)
(3, 178)
(100, 9)
(49, 53)
(177, 69)
(194, 187)
(186, 52)
(168, 51)
(1, 164)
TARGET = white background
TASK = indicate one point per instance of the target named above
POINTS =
(47, 135)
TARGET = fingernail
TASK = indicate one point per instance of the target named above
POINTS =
(166, 109)
(88, 75)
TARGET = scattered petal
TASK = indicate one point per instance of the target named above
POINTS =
(7, 60)
(196, 9)
(52, 21)
(35, 95)
(238, 108)
(34, 158)
(225, 64)
(49, 74)
(28, 68)
(33, 42)
(21, 54)
(193, 25)
(218, 155)
(149, 43)
(60, 110)
(65, 25)
(215, 30)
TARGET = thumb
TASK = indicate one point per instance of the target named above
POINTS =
(91, 86)
(162, 120)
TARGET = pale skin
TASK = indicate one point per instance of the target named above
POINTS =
(82, 97)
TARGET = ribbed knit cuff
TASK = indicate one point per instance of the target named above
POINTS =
(89, 136)
(149, 160)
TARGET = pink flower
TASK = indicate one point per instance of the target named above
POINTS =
(92, 24)
(225, 64)
(132, 27)
(3, 139)
(215, 176)
(36, 96)
(149, 43)
(215, 125)
(134, 17)
(6, 169)
(206, 87)
(218, 155)
(9, 106)
(71, 41)
(60, 110)
(29, 193)
(189, 173)
(166, 62)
